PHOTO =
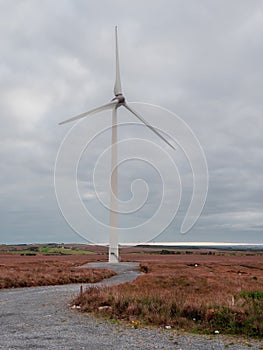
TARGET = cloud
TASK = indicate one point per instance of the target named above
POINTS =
(202, 60)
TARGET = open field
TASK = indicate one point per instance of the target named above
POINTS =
(52, 249)
(194, 291)
(39, 270)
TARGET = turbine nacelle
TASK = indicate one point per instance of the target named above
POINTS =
(119, 98)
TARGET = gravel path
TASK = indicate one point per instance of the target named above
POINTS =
(40, 318)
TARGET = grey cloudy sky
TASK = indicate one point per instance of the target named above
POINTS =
(200, 59)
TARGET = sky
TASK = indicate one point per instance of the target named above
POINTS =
(201, 60)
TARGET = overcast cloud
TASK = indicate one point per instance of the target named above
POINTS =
(200, 59)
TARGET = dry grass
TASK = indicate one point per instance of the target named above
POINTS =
(39, 270)
(217, 294)
(192, 290)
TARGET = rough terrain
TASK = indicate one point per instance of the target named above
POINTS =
(41, 318)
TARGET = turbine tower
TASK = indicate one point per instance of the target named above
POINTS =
(118, 101)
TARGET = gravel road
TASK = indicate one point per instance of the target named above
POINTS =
(40, 318)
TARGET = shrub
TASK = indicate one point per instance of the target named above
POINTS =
(144, 268)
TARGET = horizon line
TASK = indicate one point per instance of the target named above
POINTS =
(203, 243)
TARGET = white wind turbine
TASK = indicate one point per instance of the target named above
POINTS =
(116, 102)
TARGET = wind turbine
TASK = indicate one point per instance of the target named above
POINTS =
(118, 101)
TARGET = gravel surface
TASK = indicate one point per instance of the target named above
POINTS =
(41, 318)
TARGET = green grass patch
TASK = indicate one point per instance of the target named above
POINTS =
(252, 295)
(64, 251)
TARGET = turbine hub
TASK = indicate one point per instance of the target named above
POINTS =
(120, 98)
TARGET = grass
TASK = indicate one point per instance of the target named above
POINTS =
(64, 251)
(27, 271)
(51, 251)
(195, 294)
(198, 292)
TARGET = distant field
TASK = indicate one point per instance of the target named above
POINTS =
(51, 249)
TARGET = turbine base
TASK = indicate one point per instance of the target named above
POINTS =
(114, 255)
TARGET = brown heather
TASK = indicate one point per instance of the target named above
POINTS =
(222, 293)
(39, 270)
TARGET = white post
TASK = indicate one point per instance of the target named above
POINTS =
(113, 241)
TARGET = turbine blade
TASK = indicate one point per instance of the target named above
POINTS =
(117, 86)
(147, 124)
(92, 111)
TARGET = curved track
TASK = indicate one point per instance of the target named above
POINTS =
(40, 318)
